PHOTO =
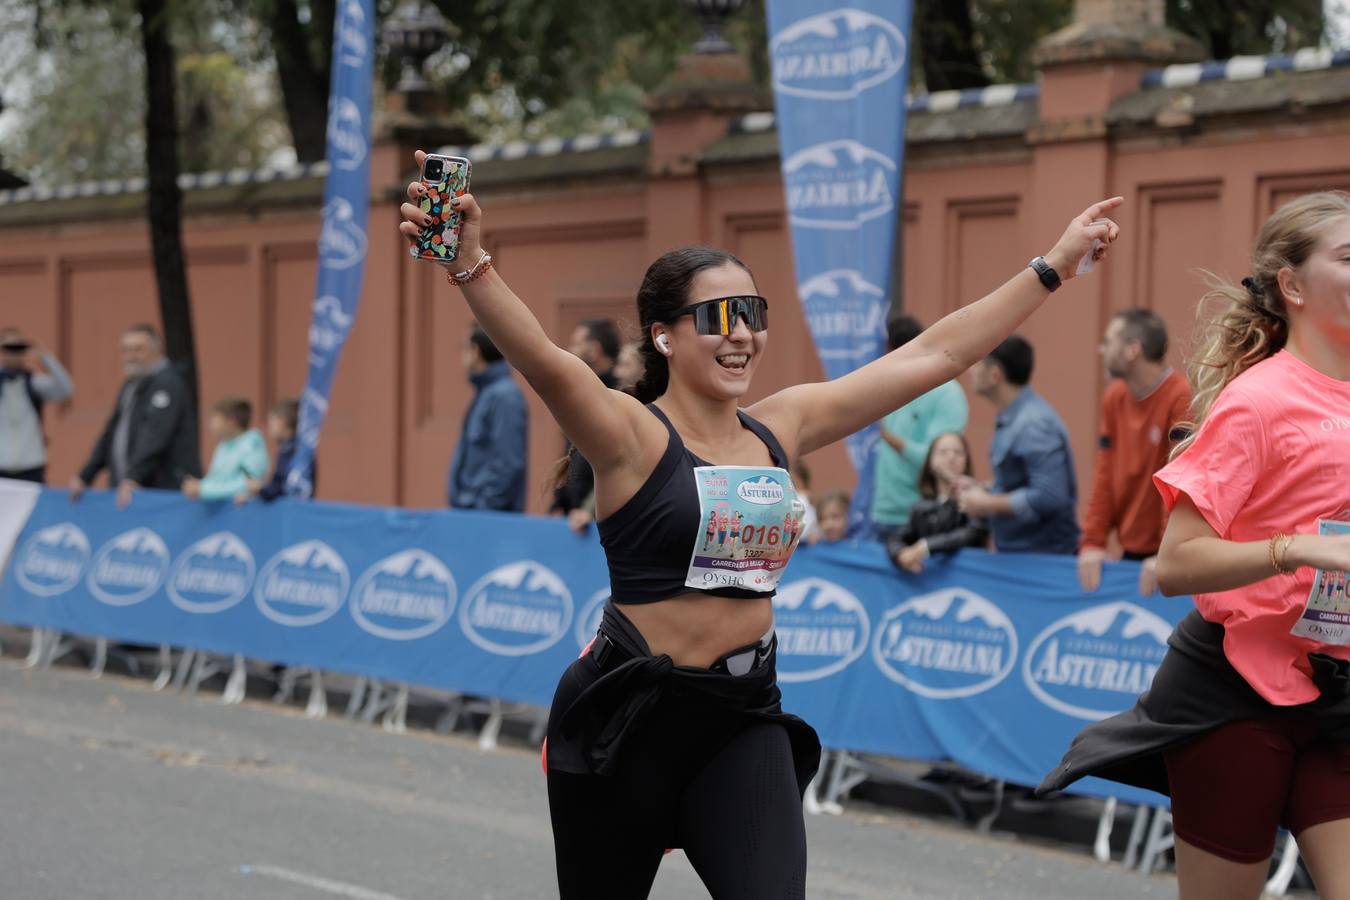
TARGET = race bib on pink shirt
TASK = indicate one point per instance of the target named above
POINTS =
(750, 522)
(1326, 615)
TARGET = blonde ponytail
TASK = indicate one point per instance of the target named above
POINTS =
(1238, 327)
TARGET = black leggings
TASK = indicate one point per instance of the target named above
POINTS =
(715, 784)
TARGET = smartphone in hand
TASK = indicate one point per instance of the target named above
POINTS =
(443, 177)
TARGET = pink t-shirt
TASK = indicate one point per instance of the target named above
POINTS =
(1272, 456)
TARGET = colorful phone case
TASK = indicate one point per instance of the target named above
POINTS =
(439, 241)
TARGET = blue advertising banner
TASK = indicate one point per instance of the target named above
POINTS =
(840, 76)
(342, 239)
(992, 661)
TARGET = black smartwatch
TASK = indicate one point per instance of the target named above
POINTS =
(1046, 273)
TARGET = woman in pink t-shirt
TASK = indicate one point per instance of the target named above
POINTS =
(1250, 721)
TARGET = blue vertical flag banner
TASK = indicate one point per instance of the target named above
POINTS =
(840, 75)
(342, 240)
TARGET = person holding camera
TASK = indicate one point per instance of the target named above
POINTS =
(669, 730)
(24, 389)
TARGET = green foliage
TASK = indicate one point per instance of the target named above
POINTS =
(1238, 27)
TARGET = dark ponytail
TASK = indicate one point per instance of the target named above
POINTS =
(664, 290)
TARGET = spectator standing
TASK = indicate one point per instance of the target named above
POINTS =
(595, 342)
(240, 455)
(282, 422)
(24, 389)
(936, 522)
(488, 468)
(1031, 506)
(151, 437)
(1142, 406)
(906, 436)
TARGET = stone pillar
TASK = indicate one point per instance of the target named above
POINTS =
(708, 91)
(1084, 68)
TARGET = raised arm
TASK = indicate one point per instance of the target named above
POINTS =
(822, 413)
(602, 423)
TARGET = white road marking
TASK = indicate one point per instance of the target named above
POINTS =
(327, 885)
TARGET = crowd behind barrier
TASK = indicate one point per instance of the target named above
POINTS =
(991, 661)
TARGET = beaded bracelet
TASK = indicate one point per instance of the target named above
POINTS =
(468, 276)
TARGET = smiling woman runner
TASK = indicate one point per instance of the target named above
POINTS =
(668, 732)
(1247, 721)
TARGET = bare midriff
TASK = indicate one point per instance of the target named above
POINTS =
(698, 629)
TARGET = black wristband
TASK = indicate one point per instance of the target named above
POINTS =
(1046, 273)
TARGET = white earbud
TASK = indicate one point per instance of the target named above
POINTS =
(663, 343)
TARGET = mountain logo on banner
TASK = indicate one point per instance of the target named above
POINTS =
(351, 38)
(839, 185)
(837, 55)
(842, 307)
(516, 609)
(822, 629)
(405, 596)
(950, 643)
(129, 568)
(328, 326)
(212, 575)
(763, 490)
(342, 242)
(588, 620)
(1094, 663)
(53, 560)
(347, 134)
(303, 584)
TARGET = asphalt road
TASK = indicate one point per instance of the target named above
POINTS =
(110, 790)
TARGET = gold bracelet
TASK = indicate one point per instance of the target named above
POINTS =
(1284, 554)
(468, 276)
(1281, 540)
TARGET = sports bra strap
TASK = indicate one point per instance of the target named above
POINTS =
(757, 428)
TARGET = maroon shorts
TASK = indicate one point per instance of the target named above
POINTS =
(1234, 786)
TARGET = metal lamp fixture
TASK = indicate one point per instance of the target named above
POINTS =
(414, 32)
(714, 14)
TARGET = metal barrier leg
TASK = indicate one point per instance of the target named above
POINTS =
(1278, 885)
(487, 737)
(446, 722)
(317, 707)
(396, 715)
(100, 661)
(165, 668)
(1137, 829)
(1101, 847)
(1159, 840)
(847, 775)
(811, 799)
(538, 729)
(286, 685)
(375, 702)
(37, 637)
(986, 822)
(185, 661)
(356, 699)
(53, 648)
(237, 685)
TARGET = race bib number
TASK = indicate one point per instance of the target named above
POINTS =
(1326, 615)
(750, 524)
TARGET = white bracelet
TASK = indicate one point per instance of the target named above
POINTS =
(470, 274)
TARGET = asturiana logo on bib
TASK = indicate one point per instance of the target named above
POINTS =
(213, 574)
(764, 490)
(53, 560)
(951, 643)
(588, 620)
(837, 55)
(303, 584)
(822, 629)
(408, 595)
(1094, 663)
(519, 608)
(129, 568)
(839, 185)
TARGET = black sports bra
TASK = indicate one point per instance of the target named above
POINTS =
(693, 526)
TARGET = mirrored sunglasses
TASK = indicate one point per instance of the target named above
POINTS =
(720, 316)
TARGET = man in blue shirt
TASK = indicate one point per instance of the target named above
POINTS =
(488, 469)
(1032, 504)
